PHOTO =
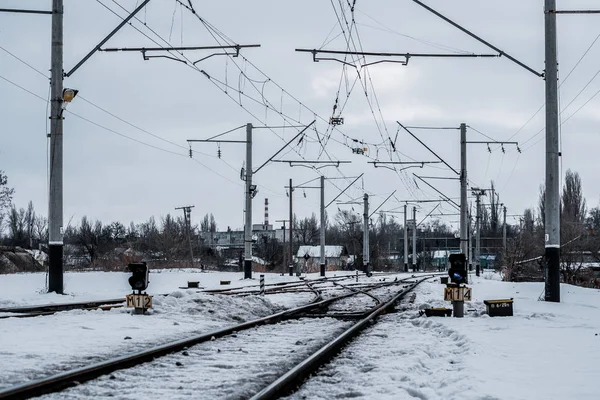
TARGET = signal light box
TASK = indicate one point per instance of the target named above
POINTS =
(139, 281)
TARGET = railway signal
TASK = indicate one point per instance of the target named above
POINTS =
(139, 276)
(457, 292)
(139, 281)
(458, 268)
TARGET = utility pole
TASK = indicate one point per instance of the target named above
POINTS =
(470, 242)
(478, 193)
(366, 255)
(322, 261)
(284, 255)
(291, 265)
(464, 212)
(251, 189)
(552, 200)
(250, 192)
(414, 239)
(55, 211)
(58, 99)
(405, 241)
(478, 239)
(187, 218)
(504, 230)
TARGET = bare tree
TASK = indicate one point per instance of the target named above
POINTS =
(29, 223)
(171, 238)
(307, 230)
(542, 206)
(6, 193)
(16, 225)
(88, 236)
(208, 224)
(573, 231)
(40, 229)
(573, 207)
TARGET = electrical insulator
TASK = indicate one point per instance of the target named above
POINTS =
(190, 152)
(219, 153)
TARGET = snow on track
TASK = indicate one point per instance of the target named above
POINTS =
(36, 347)
(233, 367)
(545, 351)
(397, 358)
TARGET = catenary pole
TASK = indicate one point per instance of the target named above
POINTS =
(284, 246)
(189, 229)
(414, 239)
(471, 244)
(464, 212)
(405, 240)
(504, 231)
(291, 264)
(366, 254)
(552, 200)
(478, 237)
(55, 196)
(322, 260)
(249, 195)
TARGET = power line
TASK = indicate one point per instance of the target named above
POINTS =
(116, 132)
(95, 105)
(561, 84)
(266, 103)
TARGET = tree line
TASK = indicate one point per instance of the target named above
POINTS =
(165, 240)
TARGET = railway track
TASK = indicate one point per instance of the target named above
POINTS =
(49, 309)
(319, 315)
(273, 288)
(298, 374)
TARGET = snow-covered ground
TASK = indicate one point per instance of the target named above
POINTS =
(545, 351)
(35, 347)
(234, 367)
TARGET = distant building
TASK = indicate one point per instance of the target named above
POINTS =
(309, 257)
(235, 239)
(439, 258)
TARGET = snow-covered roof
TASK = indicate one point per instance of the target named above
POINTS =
(39, 256)
(315, 251)
(441, 254)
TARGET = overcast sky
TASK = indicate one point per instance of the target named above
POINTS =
(110, 177)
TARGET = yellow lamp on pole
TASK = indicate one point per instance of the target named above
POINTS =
(69, 94)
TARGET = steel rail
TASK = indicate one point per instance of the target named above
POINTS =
(61, 306)
(44, 313)
(74, 377)
(294, 377)
(280, 284)
(377, 300)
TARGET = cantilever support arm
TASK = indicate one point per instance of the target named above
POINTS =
(286, 145)
(427, 147)
(474, 36)
(440, 193)
(114, 31)
(381, 205)
(342, 192)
